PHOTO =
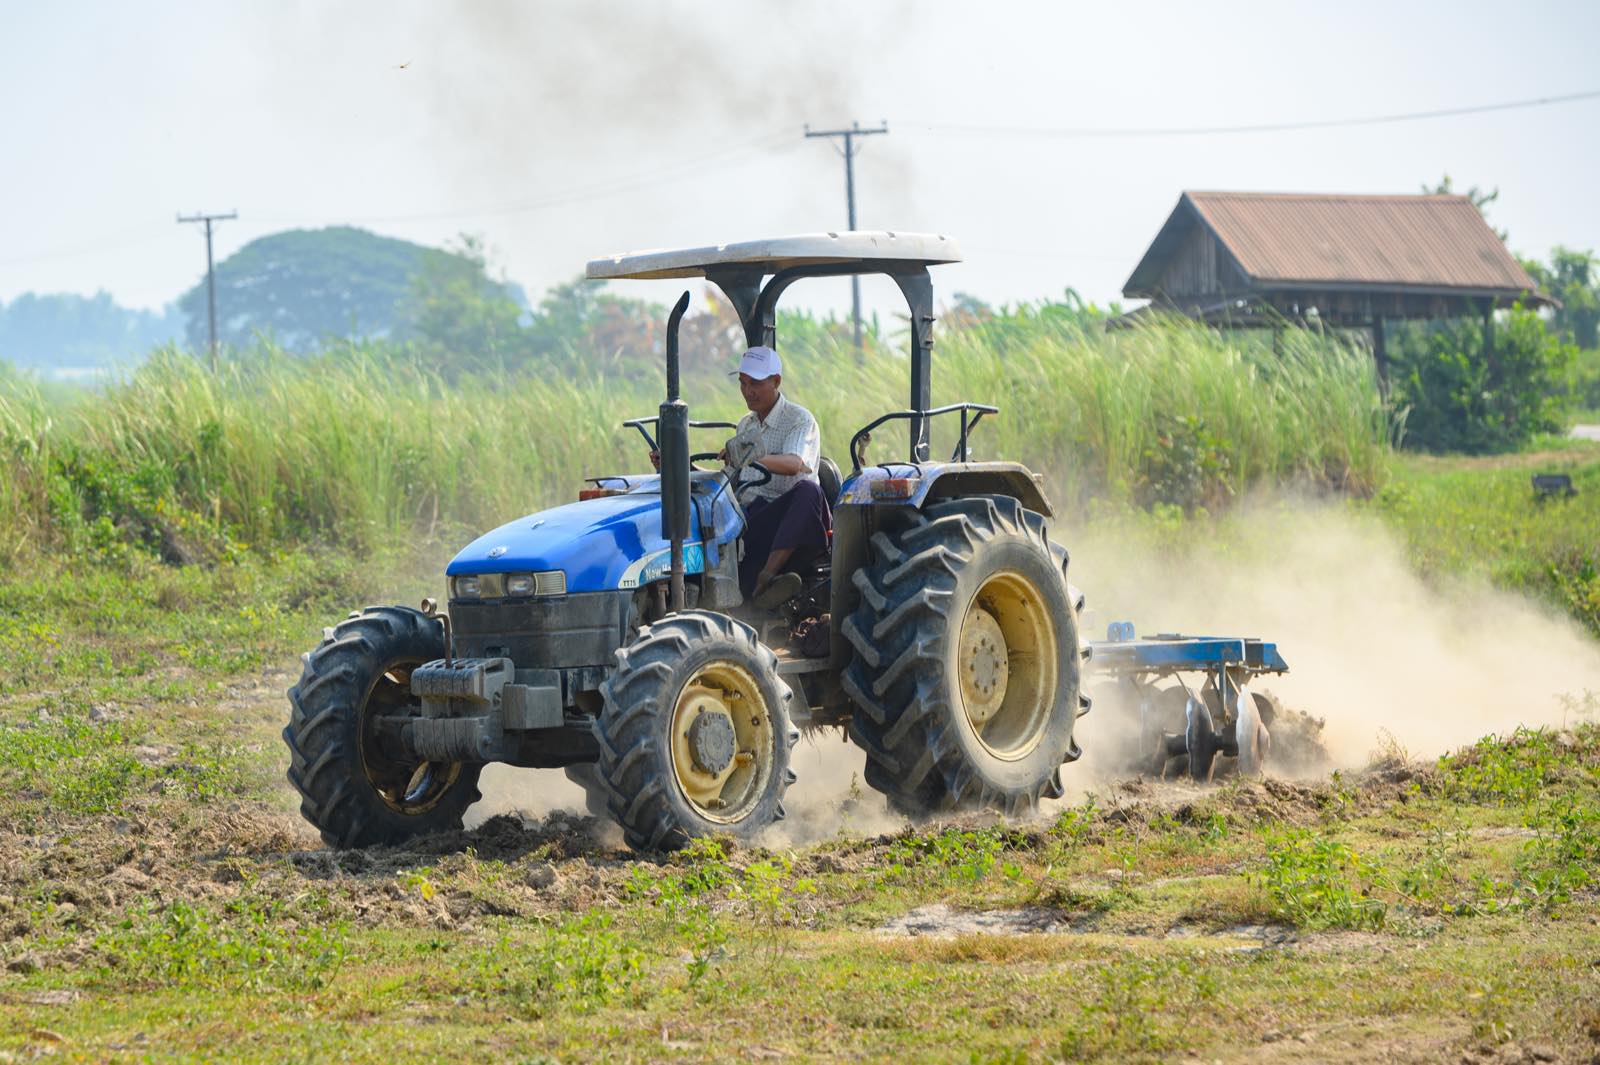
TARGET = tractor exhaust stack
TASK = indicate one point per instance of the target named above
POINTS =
(673, 437)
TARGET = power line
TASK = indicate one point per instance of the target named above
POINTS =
(211, 274)
(1265, 127)
(850, 150)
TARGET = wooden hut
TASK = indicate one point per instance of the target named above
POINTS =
(1341, 261)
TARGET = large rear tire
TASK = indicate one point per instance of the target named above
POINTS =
(694, 733)
(350, 789)
(966, 668)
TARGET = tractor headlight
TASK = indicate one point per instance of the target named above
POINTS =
(550, 582)
(509, 585)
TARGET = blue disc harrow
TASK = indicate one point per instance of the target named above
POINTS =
(1210, 711)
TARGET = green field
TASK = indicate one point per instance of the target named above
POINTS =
(162, 901)
(174, 544)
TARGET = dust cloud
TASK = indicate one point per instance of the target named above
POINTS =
(830, 796)
(530, 793)
(1383, 655)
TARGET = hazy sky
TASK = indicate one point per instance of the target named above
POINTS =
(560, 132)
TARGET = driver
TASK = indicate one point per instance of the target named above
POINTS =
(788, 516)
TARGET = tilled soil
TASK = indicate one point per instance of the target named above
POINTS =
(510, 865)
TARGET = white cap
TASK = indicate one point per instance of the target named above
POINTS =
(760, 363)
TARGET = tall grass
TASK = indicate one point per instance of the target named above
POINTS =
(1175, 413)
(364, 445)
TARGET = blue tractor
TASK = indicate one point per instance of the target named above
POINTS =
(609, 636)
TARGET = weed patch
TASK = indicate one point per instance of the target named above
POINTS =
(962, 855)
(250, 944)
(1317, 882)
(1139, 1007)
(579, 965)
(1502, 772)
(104, 771)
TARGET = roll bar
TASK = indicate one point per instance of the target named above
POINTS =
(859, 441)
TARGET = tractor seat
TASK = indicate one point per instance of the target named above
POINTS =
(828, 475)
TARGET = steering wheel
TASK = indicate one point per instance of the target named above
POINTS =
(756, 465)
(716, 456)
(733, 471)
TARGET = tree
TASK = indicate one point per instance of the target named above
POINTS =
(459, 316)
(1460, 398)
(580, 320)
(305, 286)
(1479, 198)
(64, 329)
(1573, 277)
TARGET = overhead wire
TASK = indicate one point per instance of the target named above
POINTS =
(781, 141)
(1086, 132)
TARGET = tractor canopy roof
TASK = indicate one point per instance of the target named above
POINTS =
(844, 252)
(754, 274)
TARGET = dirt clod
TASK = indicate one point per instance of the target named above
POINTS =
(541, 876)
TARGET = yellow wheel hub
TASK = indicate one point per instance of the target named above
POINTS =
(984, 665)
(722, 742)
(1006, 662)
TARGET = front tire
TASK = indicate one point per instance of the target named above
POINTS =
(355, 793)
(965, 674)
(694, 733)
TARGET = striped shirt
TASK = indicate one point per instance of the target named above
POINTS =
(789, 429)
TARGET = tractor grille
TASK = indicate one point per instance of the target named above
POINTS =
(544, 633)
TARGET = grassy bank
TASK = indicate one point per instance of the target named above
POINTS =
(361, 448)
(1479, 518)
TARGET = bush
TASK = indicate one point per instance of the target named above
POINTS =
(1583, 382)
(1459, 399)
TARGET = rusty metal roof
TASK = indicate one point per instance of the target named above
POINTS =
(1283, 240)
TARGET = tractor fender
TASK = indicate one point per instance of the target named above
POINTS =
(904, 484)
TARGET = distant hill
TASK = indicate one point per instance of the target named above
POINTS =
(300, 287)
(304, 286)
(67, 331)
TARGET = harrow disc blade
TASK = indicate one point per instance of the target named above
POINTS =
(1250, 734)
(1201, 736)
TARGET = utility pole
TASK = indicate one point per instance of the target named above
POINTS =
(211, 274)
(850, 136)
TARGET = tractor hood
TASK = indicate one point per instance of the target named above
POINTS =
(613, 542)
